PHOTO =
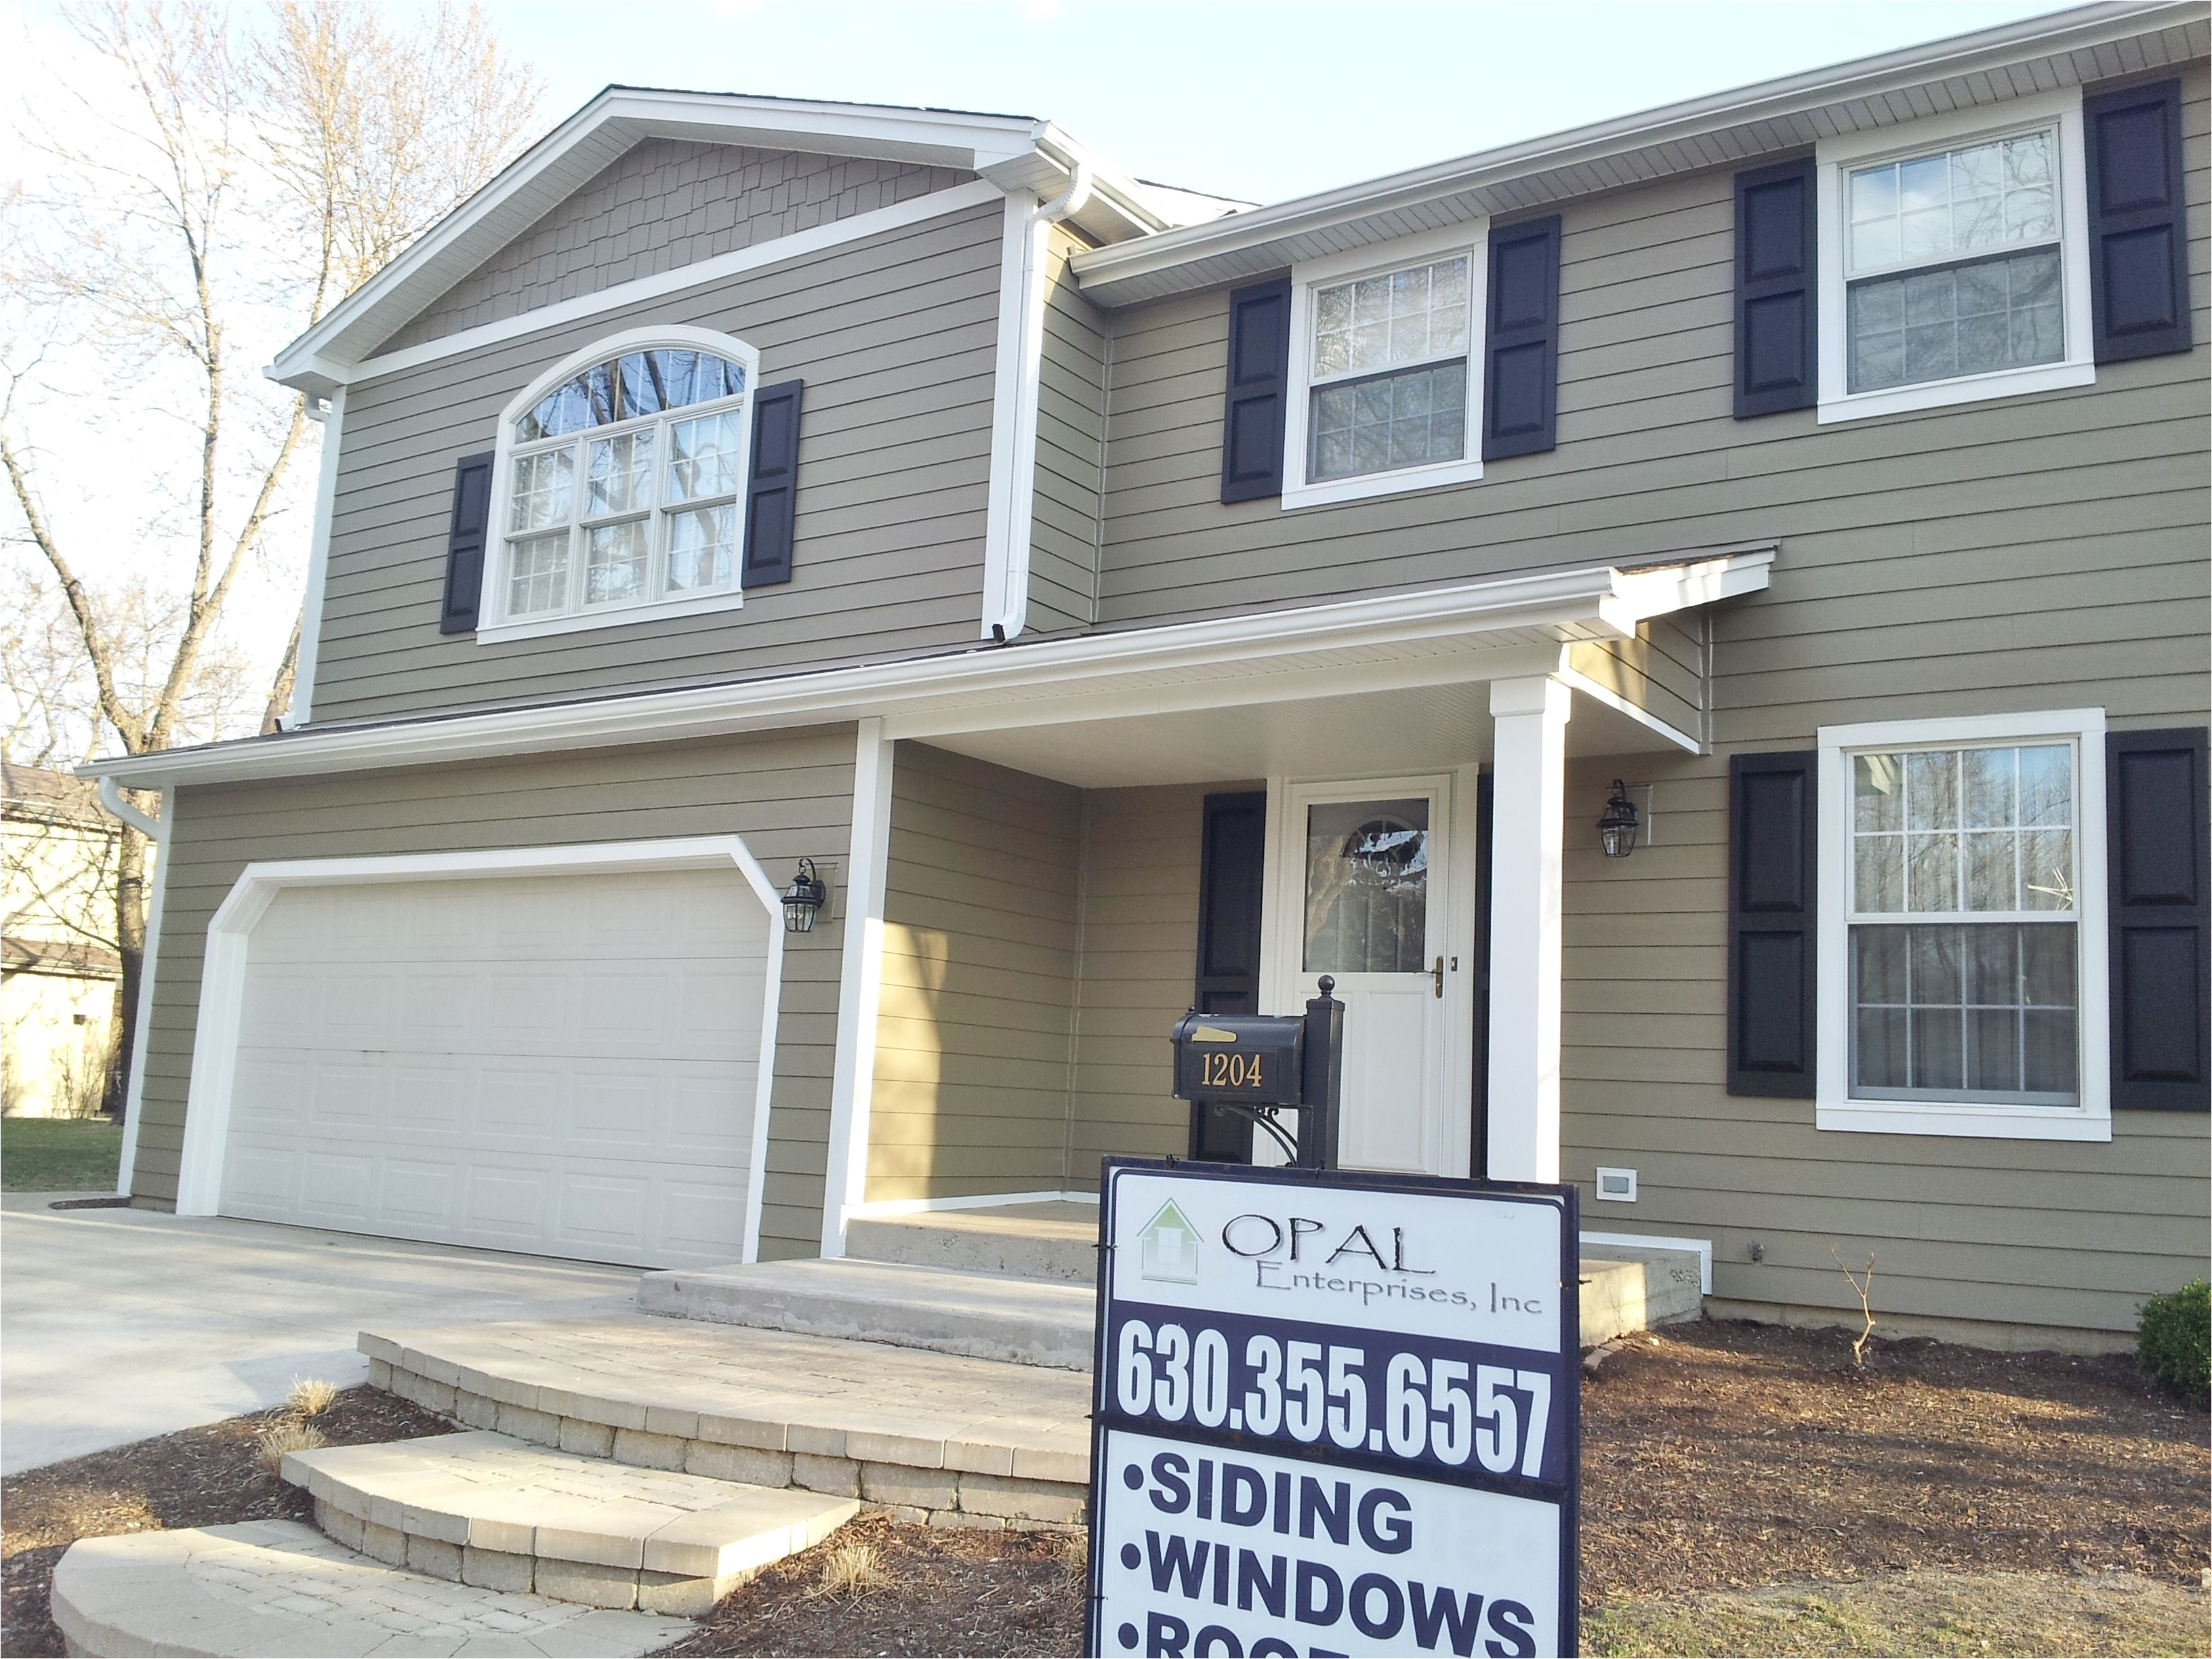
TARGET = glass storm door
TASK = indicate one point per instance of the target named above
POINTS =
(1372, 914)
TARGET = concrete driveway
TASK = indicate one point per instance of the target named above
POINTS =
(119, 1324)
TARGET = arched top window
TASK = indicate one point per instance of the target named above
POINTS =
(622, 481)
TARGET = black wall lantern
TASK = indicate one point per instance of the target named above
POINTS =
(1617, 828)
(803, 899)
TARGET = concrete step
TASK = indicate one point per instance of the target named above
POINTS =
(934, 1437)
(277, 1588)
(480, 1507)
(1053, 1241)
(1029, 1322)
(1632, 1288)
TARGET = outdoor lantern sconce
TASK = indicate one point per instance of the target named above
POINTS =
(1617, 828)
(803, 899)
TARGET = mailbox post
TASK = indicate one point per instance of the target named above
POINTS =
(1257, 1064)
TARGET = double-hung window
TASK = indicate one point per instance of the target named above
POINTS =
(1956, 267)
(1962, 969)
(1385, 379)
(623, 487)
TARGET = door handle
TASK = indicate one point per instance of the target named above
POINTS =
(1437, 974)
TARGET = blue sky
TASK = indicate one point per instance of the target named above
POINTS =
(1261, 100)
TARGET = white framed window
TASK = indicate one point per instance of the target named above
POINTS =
(1386, 370)
(1961, 929)
(618, 491)
(1955, 259)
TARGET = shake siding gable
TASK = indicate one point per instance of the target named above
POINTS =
(789, 796)
(896, 340)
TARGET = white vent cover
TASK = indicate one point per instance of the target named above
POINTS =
(1616, 1186)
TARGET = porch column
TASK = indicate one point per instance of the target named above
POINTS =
(859, 987)
(1529, 766)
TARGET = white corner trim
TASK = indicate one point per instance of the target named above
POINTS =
(1835, 156)
(860, 985)
(1472, 239)
(332, 368)
(885, 1207)
(1703, 1247)
(141, 1017)
(318, 564)
(1834, 1108)
(229, 938)
(1009, 506)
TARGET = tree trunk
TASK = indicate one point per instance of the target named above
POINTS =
(130, 941)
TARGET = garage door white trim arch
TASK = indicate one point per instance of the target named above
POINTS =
(223, 975)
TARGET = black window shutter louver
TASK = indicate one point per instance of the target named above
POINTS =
(1258, 393)
(772, 493)
(2161, 919)
(1778, 358)
(2138, 225)
(1232, 847)
(1521, 349)
(1772, 907)
(464, 543)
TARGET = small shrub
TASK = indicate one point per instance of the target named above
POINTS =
(285, 1435)
(851, 1570)
(311, 1396)
(2174, 1341)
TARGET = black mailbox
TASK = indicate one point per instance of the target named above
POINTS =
(1257, 1059)
(1256, 1064)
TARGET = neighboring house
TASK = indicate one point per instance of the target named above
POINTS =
(1126, 601)
(59, 969)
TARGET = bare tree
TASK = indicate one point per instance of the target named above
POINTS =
(215, 184)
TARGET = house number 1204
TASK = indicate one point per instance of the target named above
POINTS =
(1229, 1071)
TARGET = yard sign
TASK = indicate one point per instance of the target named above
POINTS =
(1334, 1413)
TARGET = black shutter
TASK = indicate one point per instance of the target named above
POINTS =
(1772, 910)
(1232, 850)
(1521, 349)
(1258, 393)
(2138, 225)
(464, 544)
(771, 493)
(2161, 920)
(1777, 360)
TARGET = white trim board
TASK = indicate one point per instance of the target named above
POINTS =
(229, 938)
(859, 985)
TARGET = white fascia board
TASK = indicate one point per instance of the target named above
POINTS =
(1638, 595)
(1988, 51)
(587, 141)
(1565, 600)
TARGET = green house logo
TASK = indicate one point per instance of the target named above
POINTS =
(1167, 1248)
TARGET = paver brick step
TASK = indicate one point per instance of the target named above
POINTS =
(486, 1509)
(983, 1315)
(933, 1437)
(278, 1588)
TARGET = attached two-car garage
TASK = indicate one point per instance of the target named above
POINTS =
(560, 1053)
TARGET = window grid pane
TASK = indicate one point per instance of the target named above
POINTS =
(702, 547)
(1409, 418)
(1971, 200)
(538, 575)
(1980, 1011)
(1951, 831)
(1391, 321)
(615, 562)
(1963, 320)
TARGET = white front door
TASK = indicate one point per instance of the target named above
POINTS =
(1366, 873)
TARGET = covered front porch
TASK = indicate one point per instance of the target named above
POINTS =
(1042, 881)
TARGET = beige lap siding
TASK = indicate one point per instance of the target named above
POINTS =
(788, 795)
(1070, 452)
(896, 339)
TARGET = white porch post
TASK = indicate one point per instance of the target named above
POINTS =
(1529, 763)
(859, 987)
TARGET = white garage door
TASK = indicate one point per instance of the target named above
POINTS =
(563, 1064)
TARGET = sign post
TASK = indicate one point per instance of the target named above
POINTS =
(1333, 1413)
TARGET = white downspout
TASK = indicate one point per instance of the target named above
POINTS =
(318, 563)
(1014, 606)
(142, 1018)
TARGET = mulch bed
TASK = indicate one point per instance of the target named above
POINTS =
(1716, 1457)
(205, 1477)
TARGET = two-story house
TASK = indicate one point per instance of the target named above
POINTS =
(1122, 599)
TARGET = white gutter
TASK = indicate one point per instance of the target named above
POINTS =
(141, 1017)
(1597, 601)
(1012, 515)
(1989, 51)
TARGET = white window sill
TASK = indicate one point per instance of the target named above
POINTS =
(1380, 484)
(1989, 1122)
(1967, 389)
(538, 628)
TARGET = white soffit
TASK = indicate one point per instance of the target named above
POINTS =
(1504, 626)
(2074, 48)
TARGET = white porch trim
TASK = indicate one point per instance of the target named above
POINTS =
(222, 977)
(860, 986)
(1527, 843)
